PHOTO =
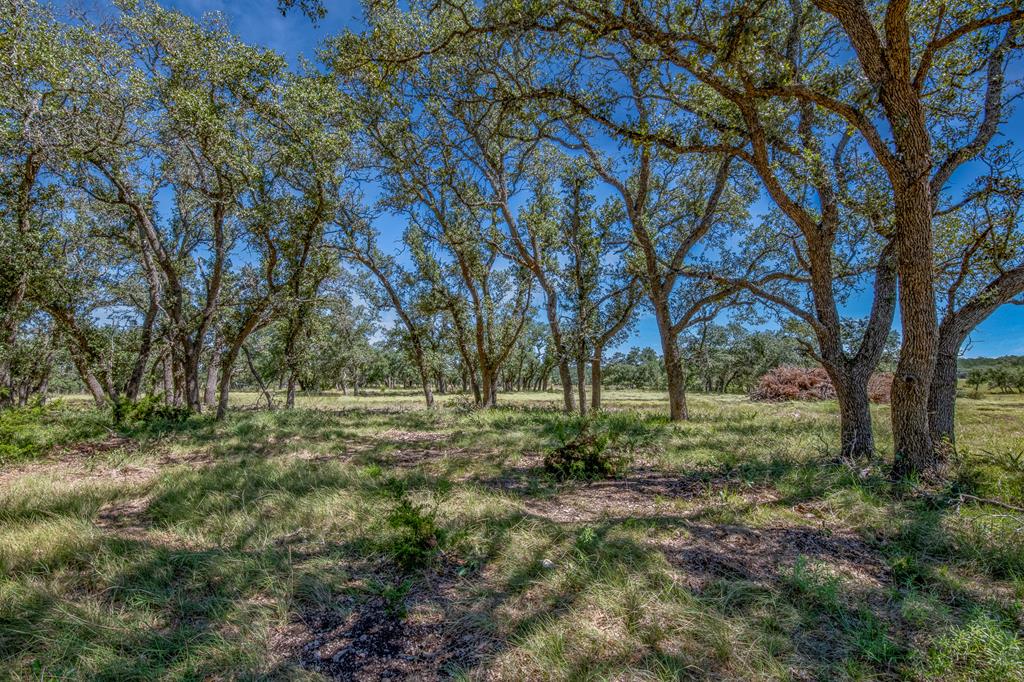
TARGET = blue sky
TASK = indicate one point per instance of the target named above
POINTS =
(259, 22)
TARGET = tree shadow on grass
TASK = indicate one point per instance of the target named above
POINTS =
(138, 610)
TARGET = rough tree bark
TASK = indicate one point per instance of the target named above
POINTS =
(956, 325)
(212, 369)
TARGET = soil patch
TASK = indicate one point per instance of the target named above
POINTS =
(126, 517)
(703, 553)
(637, 496)
(369, 639)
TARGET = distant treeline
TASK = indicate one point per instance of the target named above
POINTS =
(965, 365)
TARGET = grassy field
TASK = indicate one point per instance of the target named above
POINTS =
(366, 538)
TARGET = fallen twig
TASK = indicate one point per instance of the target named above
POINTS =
(996, 503)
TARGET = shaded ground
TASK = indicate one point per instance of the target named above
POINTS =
(364, 543)
(420, 638)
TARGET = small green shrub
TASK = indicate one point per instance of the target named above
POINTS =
(19, 428)
(148, 411)
(588, 453)
(419, 537)
(393, 595)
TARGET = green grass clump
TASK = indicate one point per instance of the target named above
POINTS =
(983, 649)
(19, 432)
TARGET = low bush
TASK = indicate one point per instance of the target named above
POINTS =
(587, 450)
(18, 432)
(418, 535)
(147, 411)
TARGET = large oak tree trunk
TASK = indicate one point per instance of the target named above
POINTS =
(170, 396)
(565, 376)
(956, 325)
(421, 366)
(489, 380)
(227, 367)
(478, 398)
(289, 399)
(89, 379)
(190, 366)
(915, 454)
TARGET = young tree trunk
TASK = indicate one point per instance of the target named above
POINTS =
(595, 379)
(134, 384)
(673, 364)
(289, 400)
(581, 378)
(210, 398)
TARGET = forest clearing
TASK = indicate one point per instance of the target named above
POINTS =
(368, 538)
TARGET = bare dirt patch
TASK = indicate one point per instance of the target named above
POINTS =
(648, 494)
(370, 639)
(703, 553)
(403, 436)
(126, 517)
